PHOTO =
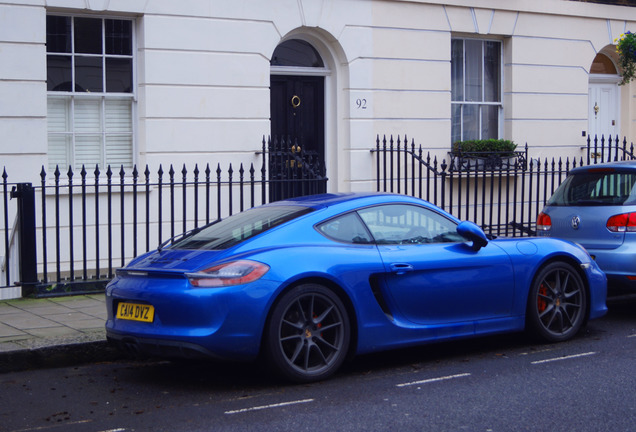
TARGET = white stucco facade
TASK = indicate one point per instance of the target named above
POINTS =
(202, 71)
(201, 92)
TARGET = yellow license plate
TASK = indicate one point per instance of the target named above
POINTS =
(136, 312)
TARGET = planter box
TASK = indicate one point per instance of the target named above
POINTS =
(474, 162)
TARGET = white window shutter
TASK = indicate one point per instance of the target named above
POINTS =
(88, 115)
(118, 115)
(58, 124)
(118, 124)
(118, 150)
(88, 151)
(59, 152)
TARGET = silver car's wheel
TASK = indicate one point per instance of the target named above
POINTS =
(557, 304)
(308, 333)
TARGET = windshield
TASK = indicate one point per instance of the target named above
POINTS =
(596, 189)
(240, 227)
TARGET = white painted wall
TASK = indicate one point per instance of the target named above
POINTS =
(22, 90)
(203, 73)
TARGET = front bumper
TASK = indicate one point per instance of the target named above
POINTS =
(598, 290)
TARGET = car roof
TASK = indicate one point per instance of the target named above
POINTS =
(329, 199)
(629, 165)
(322, 201)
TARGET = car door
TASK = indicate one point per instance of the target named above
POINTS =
(432, 275)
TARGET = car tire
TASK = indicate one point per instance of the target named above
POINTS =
(557, 303)
(308, 334)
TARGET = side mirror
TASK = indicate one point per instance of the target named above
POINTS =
(470, 231)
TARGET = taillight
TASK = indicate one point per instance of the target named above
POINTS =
(544, 223)
(228, 274)
(625, 222)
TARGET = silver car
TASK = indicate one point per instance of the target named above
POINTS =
(596, 207)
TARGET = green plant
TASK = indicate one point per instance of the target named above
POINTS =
(487, 147)
(626, 49)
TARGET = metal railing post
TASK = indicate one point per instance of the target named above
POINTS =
(25, 194)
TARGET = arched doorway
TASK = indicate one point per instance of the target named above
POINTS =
(297, 107)
(603, 98)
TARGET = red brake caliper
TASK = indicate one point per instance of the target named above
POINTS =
(541, 303)
(318, 325)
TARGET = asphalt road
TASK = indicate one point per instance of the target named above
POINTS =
(504, 383)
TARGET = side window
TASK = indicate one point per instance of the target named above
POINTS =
(408, 224)
(347, 229)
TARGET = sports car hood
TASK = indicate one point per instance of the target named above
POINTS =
(174, 260)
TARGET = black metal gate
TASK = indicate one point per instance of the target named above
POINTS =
(503, 197)
(294, 171)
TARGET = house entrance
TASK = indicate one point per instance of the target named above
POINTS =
(603, 109)
(297, 107)
(603, 98)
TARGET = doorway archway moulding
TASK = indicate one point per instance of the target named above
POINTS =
(335, 72)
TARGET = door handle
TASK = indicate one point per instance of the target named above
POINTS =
(401, 268)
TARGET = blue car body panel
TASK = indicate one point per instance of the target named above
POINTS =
(449, 291)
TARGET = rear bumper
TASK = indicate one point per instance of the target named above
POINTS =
(619, 265)
(219, 323)
(148, 347)
(619, 284)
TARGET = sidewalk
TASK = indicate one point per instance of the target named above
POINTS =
(50, 332)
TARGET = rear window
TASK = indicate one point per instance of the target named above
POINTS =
(596, 189)
(240, 227)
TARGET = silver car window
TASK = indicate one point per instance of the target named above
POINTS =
(408, 224)
(347, 228)
(240, 227)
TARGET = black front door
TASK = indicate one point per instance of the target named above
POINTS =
(297, 148)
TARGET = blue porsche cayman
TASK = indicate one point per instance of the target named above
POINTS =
(310, 281)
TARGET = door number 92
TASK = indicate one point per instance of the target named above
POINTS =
(361, 104)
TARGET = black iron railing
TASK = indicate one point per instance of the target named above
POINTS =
(503, 197)
(81, 226)
(69, 233)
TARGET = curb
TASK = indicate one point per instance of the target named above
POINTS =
(58, 356)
